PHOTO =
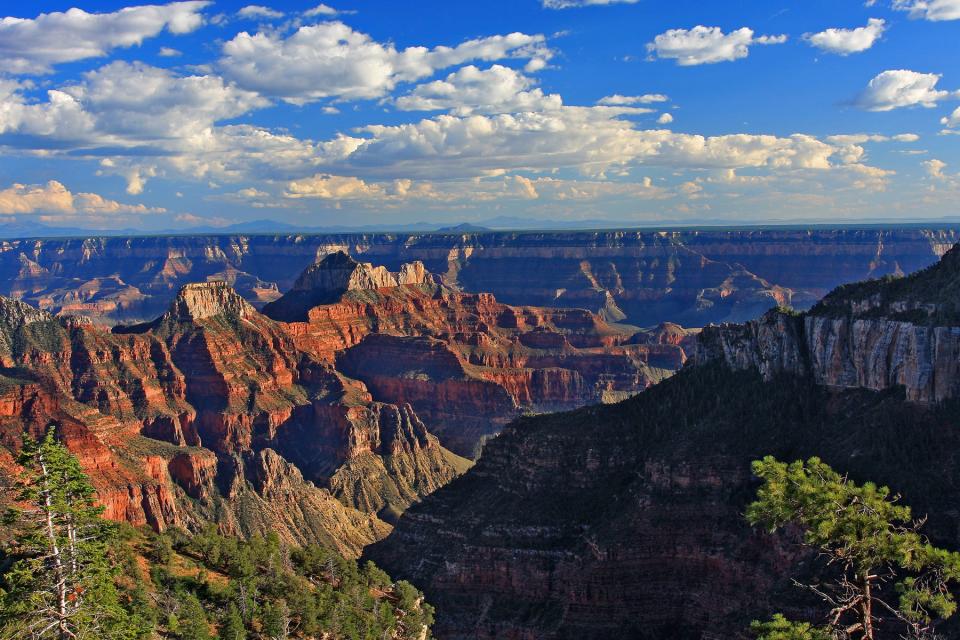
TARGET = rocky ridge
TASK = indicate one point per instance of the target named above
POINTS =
(693, 277)
(873, 335)
(183, 420)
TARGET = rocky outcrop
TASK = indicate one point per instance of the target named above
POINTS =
(469, 364)
(206, 300)
(855, 338)
(336, 274)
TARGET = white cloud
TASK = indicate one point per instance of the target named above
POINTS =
(847, 41)
(169, 52)
(897, 88)
(320, 10)
(534, 65)
(498, 89)
(54, 197)
(665, 118)
(36, 45)
(126, 104)
(256, 12)
(332, 60)
(328, 187)
(515, 187)
(935, 168)
(707, 45)
(570, 4)
(592, 140)
(934, 10)
(953, 120)
(861, 138)
(619, 100)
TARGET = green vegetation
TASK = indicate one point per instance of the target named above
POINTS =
(930, 296)
(60, 578)
(883, 571)
(259, 588)
(68, 574)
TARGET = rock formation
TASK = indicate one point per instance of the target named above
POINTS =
(626, 520)
(322, 428)
(186, 419)
(873, 335)
(466, 363)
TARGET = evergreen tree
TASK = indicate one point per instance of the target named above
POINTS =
(192, 620)
(232, 627)
(61, 584)
(276, 620)
(883, 568)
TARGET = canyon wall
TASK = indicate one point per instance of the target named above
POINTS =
(643, 277)
(876, 335)
(626, 520)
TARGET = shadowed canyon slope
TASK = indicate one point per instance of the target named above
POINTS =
(321, 428)
(626, 520)
(689, 277)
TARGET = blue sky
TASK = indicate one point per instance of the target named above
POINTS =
(169, 116)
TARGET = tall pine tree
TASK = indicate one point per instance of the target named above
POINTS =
(61, 585)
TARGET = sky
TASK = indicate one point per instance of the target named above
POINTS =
(195, 114)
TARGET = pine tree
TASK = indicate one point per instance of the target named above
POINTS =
(884, 570)
(232, 627)
(192, 620)
(61, 585)
(276, 620)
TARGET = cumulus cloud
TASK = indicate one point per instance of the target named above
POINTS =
(707, 45)
(331, 60)
(665, 118)
(498, 89)
(257, 12)
(618, 100)
(329, 187)
(169, 52)
(935, 168)
(592, 140)
(517, 187)
(934, 10)
(953, 120)
(124, 104)
(571, 4)
(847, 41)
(898, 88)
(36, 45)
(54, 197)
(321, 10)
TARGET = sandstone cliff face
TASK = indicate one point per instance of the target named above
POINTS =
(874, 354)
(691, 277)
(856, 339)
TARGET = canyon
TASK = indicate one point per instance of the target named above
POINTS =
(466, 409)
(626, 520)
(323, 422)
(688, 276)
